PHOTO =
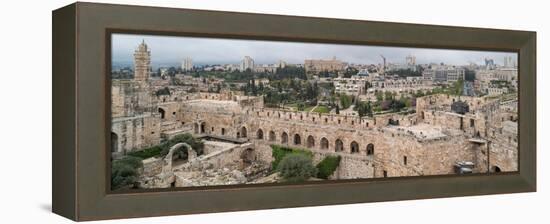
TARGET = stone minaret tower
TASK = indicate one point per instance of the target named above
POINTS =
(142, 62)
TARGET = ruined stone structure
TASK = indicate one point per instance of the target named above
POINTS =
(429, 142)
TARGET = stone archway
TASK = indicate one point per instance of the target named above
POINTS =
(114, 142)
(168, 159)
(243, 132)
(284, 138)
(496, 169)
(297, 139)
(324, 143)
(260, 134)
(338, 145)
(272, 136)
(310, 142)
(354, 146)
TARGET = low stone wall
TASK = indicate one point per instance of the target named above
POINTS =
(227, 157)
(214, 146)
(152, 166)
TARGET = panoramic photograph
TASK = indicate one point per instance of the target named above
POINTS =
(198, 111)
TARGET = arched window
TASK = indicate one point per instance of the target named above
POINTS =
(260, 134)
(338, 145)
(114, 142)
(223, 131)
(203, 127)
(162, 113)
(272, 136)
(370, 149)
(324, 143)
(243, 132)
(297, 139)
(354, 147)
(310, 142)
(284, 138)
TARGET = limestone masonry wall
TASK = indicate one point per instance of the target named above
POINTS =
(429, 142)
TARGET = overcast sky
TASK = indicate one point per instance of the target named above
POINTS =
(172, 50)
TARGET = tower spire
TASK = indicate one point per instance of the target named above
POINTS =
(142, 62)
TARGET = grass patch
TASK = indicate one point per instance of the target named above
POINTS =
(307, 109)
(322, 110)
(327, 166)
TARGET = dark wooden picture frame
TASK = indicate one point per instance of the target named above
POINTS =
(81, 111)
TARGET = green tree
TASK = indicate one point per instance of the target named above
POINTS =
(124, 172)
(364, 109)
(379, 96)
(457, 87)
(345, 101)
(296, 168)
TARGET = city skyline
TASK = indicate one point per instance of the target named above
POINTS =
(171, 51)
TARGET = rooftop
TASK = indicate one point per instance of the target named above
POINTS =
(419, 131)
(214, 105)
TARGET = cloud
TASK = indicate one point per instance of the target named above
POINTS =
(167, 49)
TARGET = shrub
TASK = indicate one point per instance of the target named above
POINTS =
(327, 166)
(124, 172)
(164, 91)
(279, 152)
(163, 148)
(296, 167)
(196, 144)
(147, 152)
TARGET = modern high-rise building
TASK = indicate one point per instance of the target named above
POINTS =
(247, 63)
(187, 64)
(142, 62)
(509, 62)
(281, 64)
(411, 60)
(489, 64)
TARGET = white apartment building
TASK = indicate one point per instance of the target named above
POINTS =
(247, 63)
(187, 64)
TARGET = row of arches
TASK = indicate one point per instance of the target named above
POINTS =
(296, 139)
(311, 143)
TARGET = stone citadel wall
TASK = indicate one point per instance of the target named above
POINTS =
(370, 147)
